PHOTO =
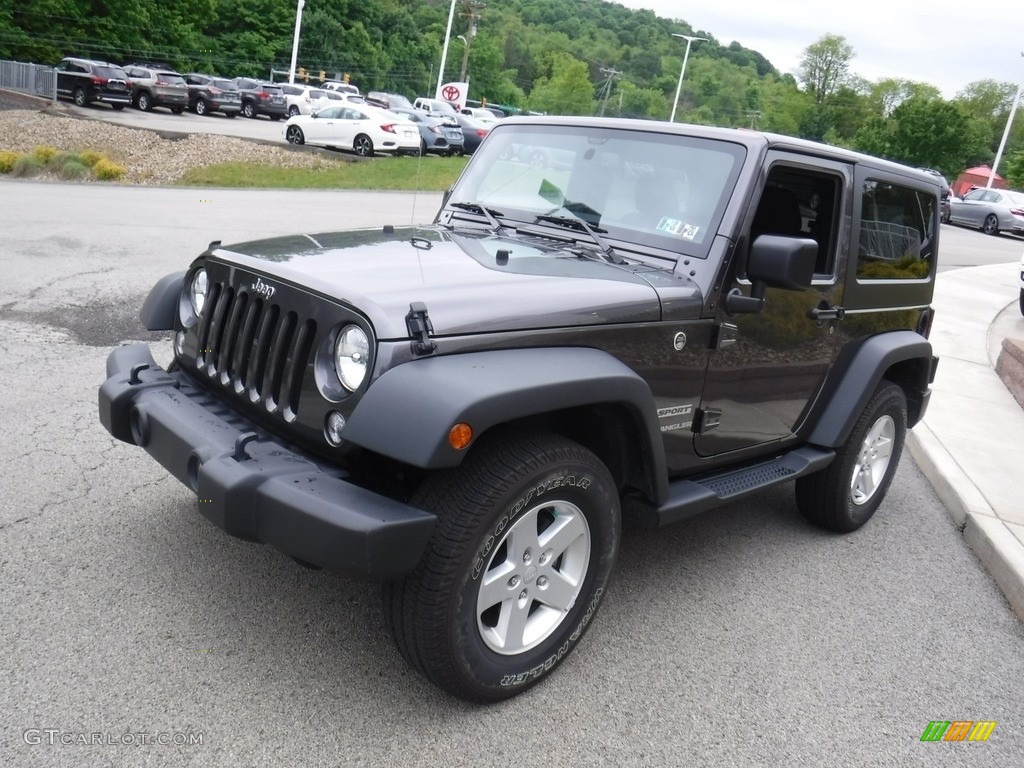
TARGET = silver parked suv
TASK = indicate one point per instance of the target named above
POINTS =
(157, 87)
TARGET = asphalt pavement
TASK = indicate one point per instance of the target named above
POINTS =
(136, 633)
(970, 445)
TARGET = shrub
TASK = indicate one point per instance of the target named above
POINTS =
(27, 165)
(90, 157)
(74, 170)
(107, 170)
(7, 160)
(60, 159)
(43, 152)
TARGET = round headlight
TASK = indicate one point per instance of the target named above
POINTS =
(351, 355)
(198, 290)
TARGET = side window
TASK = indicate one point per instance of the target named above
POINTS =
(897, 233)
(797, 202)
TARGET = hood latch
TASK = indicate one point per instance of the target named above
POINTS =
(420, 328)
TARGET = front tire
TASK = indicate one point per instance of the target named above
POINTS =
(843, 496)
(144, 102)
(527, 533)
(991, 225)
(294, 135)
(363, 145)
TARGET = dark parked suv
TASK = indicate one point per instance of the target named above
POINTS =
(259, 98)
(85, 81)
(207, 94)
(669, 318)
(157, 87)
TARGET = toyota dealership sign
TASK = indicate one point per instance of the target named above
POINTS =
(453, 93)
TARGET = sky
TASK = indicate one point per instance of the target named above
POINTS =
(947, 44)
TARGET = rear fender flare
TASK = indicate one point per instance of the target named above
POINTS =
(866, 366)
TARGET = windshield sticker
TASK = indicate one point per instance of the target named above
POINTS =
(678, 227)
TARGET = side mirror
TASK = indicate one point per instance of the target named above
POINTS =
(774, 262)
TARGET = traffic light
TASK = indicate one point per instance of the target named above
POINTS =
(303, 75)
(345, 78)
(323, 75)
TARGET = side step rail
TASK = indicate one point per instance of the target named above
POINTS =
(691, 497)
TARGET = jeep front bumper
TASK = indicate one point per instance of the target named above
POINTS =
(252, 486)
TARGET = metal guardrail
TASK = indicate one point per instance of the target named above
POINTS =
(29, 78)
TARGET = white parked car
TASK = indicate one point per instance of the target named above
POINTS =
(328, 98)
(481, 114)
(302, 99)
(362, 129)
(1021, 300)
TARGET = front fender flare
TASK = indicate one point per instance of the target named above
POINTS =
(161, 305)
(407, 413)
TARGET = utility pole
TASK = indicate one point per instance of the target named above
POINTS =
(472, 13)
(606, 89)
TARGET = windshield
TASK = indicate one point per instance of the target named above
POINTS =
(666, 191)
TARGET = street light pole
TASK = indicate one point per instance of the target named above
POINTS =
(1006, 135)
(444, 50)
(689, 41)
(295, 41)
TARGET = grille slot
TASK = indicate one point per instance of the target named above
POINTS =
(254, 349)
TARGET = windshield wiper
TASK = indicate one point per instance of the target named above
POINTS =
(580, 225)
(488, 213)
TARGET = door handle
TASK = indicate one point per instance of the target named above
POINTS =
(824, 312)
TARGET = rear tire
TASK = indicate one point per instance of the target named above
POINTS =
(843, 496)
(144, 102)
(991, 225)
(249, 110)
(80, 98)
(363, 145)
(201, 108)
(522, 553)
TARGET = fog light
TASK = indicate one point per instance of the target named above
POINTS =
(335, 423)
(179, 344)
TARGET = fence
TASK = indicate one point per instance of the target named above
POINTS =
(29, 78)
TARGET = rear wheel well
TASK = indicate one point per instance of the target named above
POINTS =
(912, 377)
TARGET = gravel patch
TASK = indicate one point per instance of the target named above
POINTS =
(148, 156)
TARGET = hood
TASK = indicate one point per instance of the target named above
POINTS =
(471, 281)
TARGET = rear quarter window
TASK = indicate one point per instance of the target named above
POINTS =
(897, 233)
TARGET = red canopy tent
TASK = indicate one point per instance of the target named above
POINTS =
(976, 177)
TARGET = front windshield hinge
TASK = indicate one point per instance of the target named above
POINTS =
(420, 328)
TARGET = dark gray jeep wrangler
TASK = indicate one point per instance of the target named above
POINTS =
(607, 317)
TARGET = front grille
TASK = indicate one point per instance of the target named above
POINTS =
(254, 349)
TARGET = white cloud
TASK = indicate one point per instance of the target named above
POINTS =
(939, 42)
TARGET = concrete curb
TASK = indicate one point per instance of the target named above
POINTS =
(971, 441)
(988, 537)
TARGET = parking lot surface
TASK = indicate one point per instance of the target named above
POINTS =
(742, 637)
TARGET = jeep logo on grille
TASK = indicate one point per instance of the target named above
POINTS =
(263, 289)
